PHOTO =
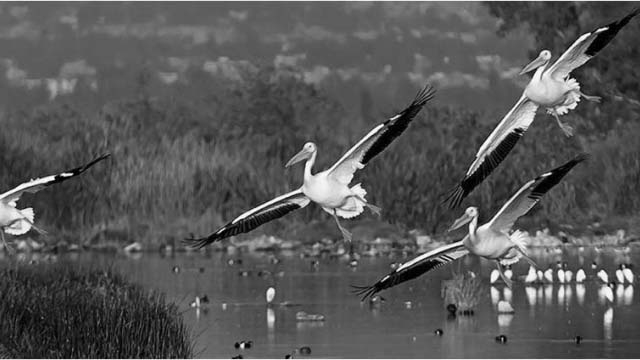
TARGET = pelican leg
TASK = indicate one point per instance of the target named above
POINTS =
(566, 129)
(590, 97)
(504, 278)
(345, 233)
(6, 246)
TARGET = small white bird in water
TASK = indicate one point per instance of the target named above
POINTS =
(603, 276)
(330, 188)
(16, 221)
(270, 294)
(580, 276)
(627, 272)
(493, 277)
(548, 275)
(531, 275)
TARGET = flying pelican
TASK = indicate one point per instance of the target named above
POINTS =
(552, 88)
(490, 240)
(549, 89)
(329, 188)
(16, 221)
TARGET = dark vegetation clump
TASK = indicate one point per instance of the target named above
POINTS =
(464, 292)
(62, 311)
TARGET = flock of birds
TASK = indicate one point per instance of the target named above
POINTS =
(551, 88)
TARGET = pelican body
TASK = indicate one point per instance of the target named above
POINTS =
(493, 240)
(331, 188)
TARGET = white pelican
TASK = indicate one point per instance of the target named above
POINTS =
(330, 188)
(548, 88)
(495, 274)
(270, 294)
(16, 221)
(491, 240)
(552, 88)
(580, 276)
(548, 275)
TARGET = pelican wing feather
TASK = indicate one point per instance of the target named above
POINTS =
(529, 195)
(378, 139)
(495, 149)
(587, 46)
(413, 268)
(12, 196)
(255, 217)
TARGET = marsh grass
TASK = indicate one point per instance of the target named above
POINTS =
(61, 311)
(464, 291)
(189, 161)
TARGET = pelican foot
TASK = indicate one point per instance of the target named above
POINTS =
(374, 209)
(595, 99)
(346, 235)
(566, 128)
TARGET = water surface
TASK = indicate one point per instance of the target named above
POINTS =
(546, 321)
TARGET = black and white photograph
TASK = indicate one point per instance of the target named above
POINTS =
(319, 179)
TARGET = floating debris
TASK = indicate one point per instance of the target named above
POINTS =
(353, 263)
(133, 247)
(578, 339)
(175, 269)
(244, 344)
(438, 332)
(244, 273)
(452, 308)
(303, 316)
(232, 262)
(501, 339)
(239, 356)
(288, 356)
(305, 350)
(407, 304)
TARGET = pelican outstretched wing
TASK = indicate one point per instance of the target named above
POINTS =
(530, 194)
(414, 268)
(587, 46)
(378, 139)
(33, 186)
(255, 217)
(495, 149)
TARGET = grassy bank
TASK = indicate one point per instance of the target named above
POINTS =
(190, 160)
(68, 312)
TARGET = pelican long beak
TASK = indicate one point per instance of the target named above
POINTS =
(539, 61)
(302, 155)
(464, 219)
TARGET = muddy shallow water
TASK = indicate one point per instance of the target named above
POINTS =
(546, 321)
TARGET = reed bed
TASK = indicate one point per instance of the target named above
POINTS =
(184, 163)
(65, 311)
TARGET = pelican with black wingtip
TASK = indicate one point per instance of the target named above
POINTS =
(16, 221)
(549, 88)
(330, 188)
(491, 240)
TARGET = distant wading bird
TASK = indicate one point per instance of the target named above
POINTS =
(550, 88)
(330, 188)
(16, 221)
(491, 240)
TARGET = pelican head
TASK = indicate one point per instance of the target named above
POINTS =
(542, 59)
(307, 151)
(469, 214)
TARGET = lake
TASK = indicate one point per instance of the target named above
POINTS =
(546, 321)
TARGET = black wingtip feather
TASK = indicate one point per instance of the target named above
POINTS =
(455, 197)
(605, 37)
(367, 292)
(556, 175)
